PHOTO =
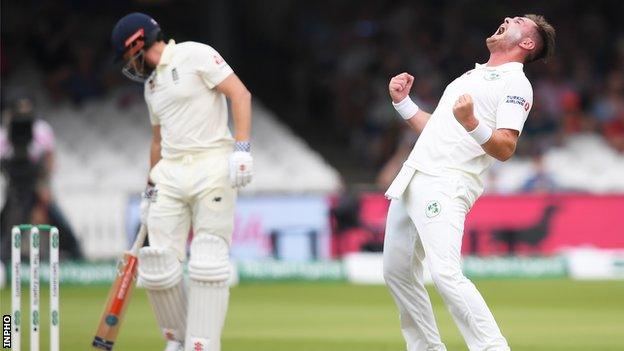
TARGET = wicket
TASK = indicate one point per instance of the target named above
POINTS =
(16, 298)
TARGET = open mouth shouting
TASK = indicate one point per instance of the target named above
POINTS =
(500, 30)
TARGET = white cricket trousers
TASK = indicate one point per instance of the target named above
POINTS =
(193, 189)
(426, 223)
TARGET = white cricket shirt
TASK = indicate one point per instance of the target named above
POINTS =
(181, 98)
(502, 97)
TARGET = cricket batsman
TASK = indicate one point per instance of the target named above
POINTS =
(477, 120)
(196, 169)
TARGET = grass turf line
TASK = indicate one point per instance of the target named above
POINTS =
(537, 315)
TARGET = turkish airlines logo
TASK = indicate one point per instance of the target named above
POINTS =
(518, 100)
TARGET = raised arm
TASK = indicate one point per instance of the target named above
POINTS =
(502, 144)
(499, 143)
(399, 89)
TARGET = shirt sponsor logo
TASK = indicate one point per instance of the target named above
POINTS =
(174, 75)
(518, 100)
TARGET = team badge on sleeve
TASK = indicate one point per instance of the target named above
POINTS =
(218, 59)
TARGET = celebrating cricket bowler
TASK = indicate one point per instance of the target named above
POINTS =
(196, 168)
(478, 120)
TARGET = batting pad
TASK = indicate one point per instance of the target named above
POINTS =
(209, 272)
(161, 275)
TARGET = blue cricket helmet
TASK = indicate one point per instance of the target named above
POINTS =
(136, 31)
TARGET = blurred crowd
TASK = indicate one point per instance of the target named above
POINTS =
(68, 44)
(351, 54)
(324, 66)
(68, 49)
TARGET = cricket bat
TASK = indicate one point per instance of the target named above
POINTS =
(119, 296)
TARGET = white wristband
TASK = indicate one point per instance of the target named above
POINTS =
(406, 108)
(481, 134)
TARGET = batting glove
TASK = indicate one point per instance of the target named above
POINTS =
(147, 197)
(241, 165)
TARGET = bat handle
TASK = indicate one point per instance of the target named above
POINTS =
(138, 242)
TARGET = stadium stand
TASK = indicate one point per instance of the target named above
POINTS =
(102, 162)
(325, 76)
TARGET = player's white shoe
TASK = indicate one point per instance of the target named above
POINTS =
(173, 345)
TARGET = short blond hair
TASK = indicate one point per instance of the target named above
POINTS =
(545, 39)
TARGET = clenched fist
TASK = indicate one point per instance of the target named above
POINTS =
(463, 110)
(400, 86)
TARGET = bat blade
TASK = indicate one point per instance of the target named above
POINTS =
(118, 300)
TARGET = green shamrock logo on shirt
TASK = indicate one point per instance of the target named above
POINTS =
(433, 209)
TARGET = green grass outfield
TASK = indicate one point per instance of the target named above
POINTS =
(535, 315)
